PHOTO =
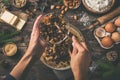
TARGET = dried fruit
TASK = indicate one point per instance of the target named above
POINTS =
(58, 7)
(62, 12)
(66, 9)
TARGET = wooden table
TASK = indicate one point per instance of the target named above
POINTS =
(40, 71)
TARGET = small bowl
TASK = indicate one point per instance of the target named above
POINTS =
(10, 49)
(19, 3)
(72, 4)
(96, 11)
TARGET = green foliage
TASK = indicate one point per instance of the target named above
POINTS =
(105, 64)
(6, 37)
(1, 34)
(6, 2)
(60, 1)
(108, 69)
(8, 40)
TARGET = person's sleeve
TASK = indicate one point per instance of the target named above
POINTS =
(9, 77)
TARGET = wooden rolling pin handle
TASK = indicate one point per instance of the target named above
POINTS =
(93, 25)
(109, 16)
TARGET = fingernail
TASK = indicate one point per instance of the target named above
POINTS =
(73, 36)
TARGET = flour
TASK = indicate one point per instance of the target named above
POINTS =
(99, 5)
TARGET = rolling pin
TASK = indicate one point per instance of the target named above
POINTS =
(101, 20)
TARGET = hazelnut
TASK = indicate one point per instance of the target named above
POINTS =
(72, 3)
(62, 7)
(62, 12)
(58, 7)
(66, 9)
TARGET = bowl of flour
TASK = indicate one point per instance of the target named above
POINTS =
(98, 6)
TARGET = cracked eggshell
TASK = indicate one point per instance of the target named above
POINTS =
(100, 32)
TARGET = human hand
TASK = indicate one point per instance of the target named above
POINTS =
(35, 40)
(80, 59)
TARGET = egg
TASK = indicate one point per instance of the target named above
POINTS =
(110, 27)
(107, 41)
(117, 22)
(116, 37)
(100, 32)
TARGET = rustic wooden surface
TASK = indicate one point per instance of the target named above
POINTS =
(39, 71)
